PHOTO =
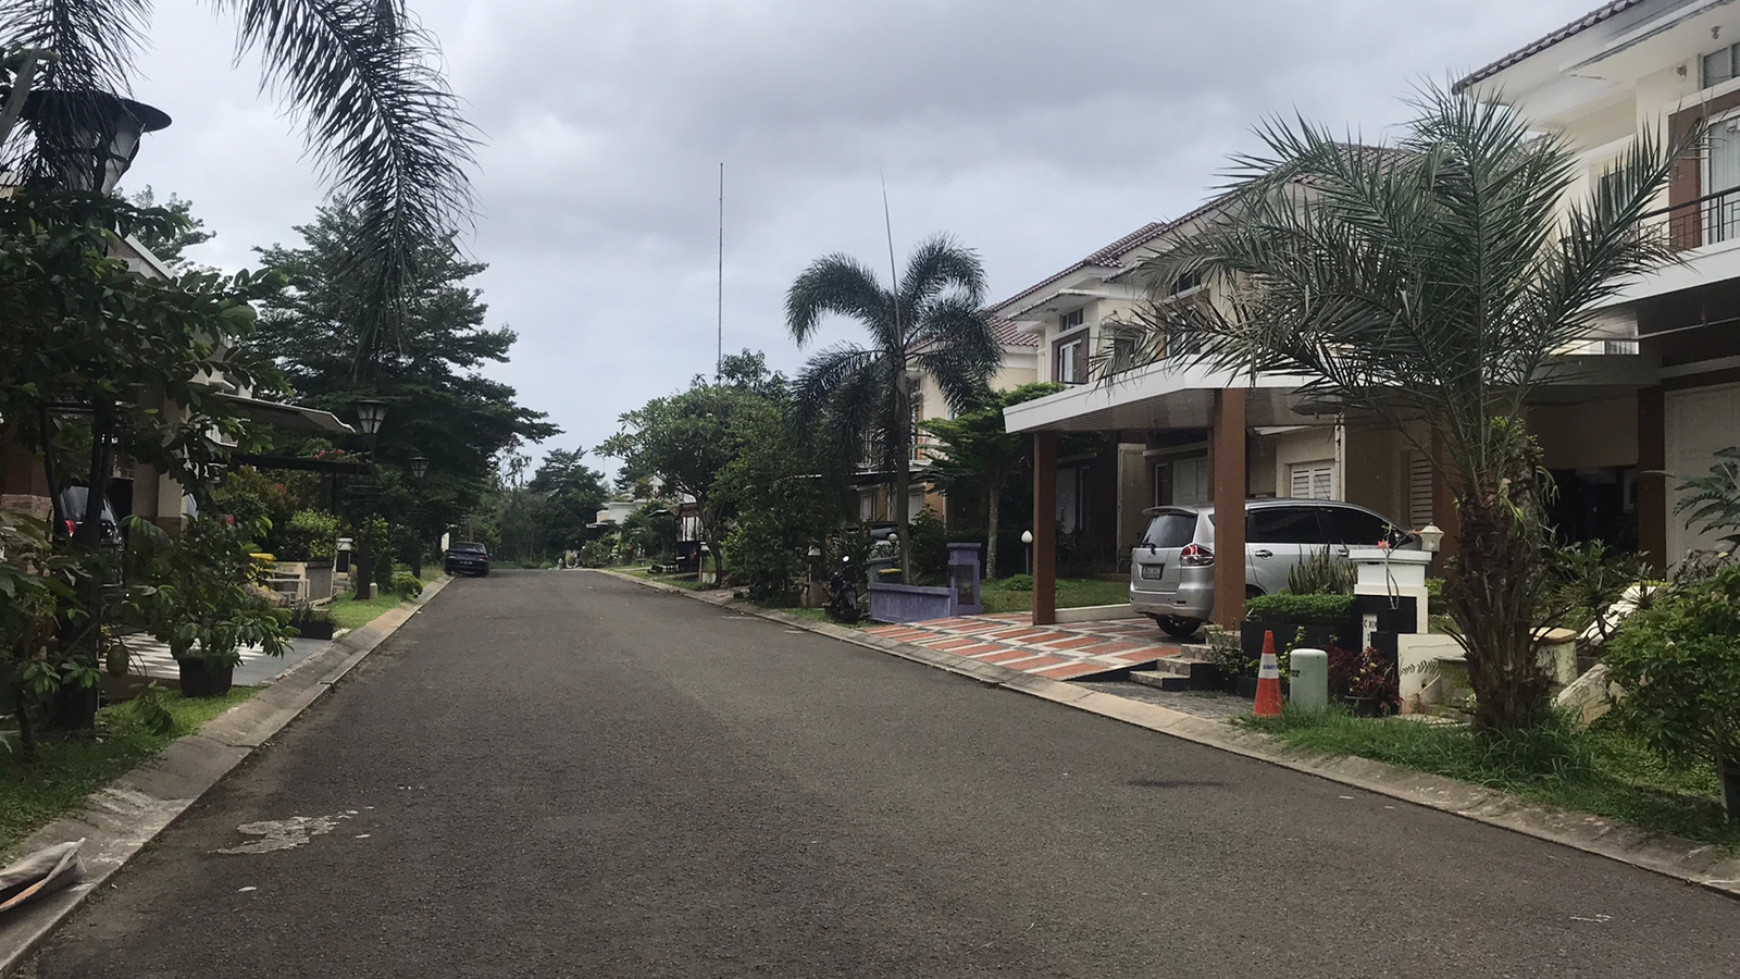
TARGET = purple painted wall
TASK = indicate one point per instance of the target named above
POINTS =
(910, 603)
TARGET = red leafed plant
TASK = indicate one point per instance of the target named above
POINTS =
(1366, 676)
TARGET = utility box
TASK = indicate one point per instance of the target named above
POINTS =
(965, 573)
(1308, 671)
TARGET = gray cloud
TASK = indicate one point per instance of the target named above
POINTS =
(1035, 131)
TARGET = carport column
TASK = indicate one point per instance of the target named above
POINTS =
(1227, 441)
(1044, 528)
(1652, 491)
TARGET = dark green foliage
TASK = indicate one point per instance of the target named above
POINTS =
(1678, 663)
(197, 592)
(1017, 582)
(168, 245)
(930, 547)
(407, 586)
(1325, 610)
(979, 457)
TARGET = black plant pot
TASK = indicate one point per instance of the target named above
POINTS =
(202, 678)
(315, 630)
(74, 708)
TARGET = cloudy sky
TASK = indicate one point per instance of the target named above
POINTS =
(1034, 130)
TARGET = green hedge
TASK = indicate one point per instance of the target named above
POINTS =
(1301, 609)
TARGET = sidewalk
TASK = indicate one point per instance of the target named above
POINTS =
(1077, 651)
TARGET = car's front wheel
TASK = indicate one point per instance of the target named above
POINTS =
(1177, 627)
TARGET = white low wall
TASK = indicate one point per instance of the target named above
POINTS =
(1093, 613)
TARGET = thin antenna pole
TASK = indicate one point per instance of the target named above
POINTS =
(719, 362)
(893, 273)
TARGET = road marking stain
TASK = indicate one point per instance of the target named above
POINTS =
(282, 834)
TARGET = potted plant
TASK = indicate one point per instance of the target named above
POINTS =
(1308, 621)
(1366, 682)
(311, 622)
(201, 597)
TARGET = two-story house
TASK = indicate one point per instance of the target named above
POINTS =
(1631, 67)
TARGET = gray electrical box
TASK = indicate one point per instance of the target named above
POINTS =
(1308, 671)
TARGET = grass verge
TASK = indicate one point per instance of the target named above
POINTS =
(1071, 593)
(36, 791)
(1600, 771)
(349, 613)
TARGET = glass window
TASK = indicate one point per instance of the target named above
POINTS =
(1355, 527)
(1283, 525)
(1170, 530)
(1719, 66)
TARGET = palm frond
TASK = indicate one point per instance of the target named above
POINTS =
(360, 76)
(94, 41)
(938, 264)
(825, 372)
(838, 284)
(955, 345)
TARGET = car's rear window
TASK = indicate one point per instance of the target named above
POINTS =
(1170, 530)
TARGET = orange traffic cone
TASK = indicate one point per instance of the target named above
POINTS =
(1269, 680)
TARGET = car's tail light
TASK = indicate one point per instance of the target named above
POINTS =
(1195, 556)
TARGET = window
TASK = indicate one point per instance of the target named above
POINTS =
(1719, 65)
(1419, 489)
(1311, 480)
(1069, 320)
(1344, 525)
(1720, 216)
(1170, 530)
(1187, 282)
(918, 436)
(1283, 525)
(1069, 360)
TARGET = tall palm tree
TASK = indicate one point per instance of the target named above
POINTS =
(360, 76)
(1435, 281)
(931, 321)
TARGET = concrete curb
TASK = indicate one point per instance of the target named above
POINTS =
(1695, 863)
(118, 820)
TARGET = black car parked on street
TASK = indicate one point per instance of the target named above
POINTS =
(468, 558)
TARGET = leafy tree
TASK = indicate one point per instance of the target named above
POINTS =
(440, 404)
(979, 455)
(572, 494)
(684, 442)
(1431, 282)
(931, 320)
(781, 497)
(360, 77)
(189, 231)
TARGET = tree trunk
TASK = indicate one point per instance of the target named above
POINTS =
(993, 502)
(364, 576)
(903, 473)
(1494, 593)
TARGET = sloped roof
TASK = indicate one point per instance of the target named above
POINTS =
(1605, 12)
(1009, 335)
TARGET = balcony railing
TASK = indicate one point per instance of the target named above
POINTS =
(1706, 220)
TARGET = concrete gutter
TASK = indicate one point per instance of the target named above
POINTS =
(117, 821)
(1695, 863)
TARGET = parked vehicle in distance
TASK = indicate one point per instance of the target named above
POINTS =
(1172, 567)
(468, 557)
(73, 500)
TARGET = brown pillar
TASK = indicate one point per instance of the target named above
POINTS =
(1227, 439)
(1044, 528)
(1652, 491)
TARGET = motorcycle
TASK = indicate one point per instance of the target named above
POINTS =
(843, 603)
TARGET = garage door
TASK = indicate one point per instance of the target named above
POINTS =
(1699, 422)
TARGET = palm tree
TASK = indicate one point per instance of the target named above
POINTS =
(931, 320)
(1434, 281)
(360, 76)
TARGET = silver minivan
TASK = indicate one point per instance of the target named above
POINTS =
(1172, 566)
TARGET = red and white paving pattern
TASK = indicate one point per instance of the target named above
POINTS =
(1080, 650)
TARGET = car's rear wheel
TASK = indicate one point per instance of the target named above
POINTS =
(1176, 626)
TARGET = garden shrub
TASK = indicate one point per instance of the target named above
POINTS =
(1678, 664)
(1324, 610)
(1322, 573)
(1369, 675)
(407, 585)
(310, 535)
(1017, 582)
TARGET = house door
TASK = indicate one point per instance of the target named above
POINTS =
(1699, 422)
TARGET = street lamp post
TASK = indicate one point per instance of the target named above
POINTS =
(370, 414)
(88, 138)
(419, 469)
(1027, 542)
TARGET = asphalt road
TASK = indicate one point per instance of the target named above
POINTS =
(562, 774)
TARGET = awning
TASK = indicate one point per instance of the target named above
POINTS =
(291, 417)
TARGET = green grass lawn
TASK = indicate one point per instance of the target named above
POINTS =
(37, 791)
(352, 614)
(1071, 593)
(1600, 771)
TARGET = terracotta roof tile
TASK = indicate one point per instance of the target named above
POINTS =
(1605, 12)
(1009, 335)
